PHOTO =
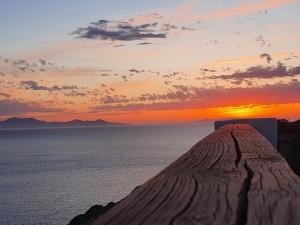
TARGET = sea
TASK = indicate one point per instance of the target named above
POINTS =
(50, 175)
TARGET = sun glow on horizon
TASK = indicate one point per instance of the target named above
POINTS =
(289, 111)
(241, 111)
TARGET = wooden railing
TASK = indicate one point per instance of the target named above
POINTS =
(233, 176)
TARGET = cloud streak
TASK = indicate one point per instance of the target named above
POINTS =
(33, 85)
(261, 72)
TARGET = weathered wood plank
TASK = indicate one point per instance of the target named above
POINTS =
(233, 176)
(274, 195)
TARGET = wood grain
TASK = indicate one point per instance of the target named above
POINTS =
(233, 176)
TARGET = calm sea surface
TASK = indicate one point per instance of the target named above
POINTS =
(48, 176)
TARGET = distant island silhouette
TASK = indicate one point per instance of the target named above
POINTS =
(16, 122)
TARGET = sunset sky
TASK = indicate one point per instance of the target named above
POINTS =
(144, 61)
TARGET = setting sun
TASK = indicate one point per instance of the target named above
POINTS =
(241, 111)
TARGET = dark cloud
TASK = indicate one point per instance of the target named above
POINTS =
(119, 31)
(134, 71)
(100, 22)
(114, 99)
(266, 56)
(187, 28)
(13, 107)
(145, 43)
(22, 65)
(30, 84)
(168, 27)
(170, 75)
(204, 70)
(43, 62)
(126, 30)
(67, 90)
(262, 72)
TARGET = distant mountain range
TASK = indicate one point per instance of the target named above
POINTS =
(15, 122)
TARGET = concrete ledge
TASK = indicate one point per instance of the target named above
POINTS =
(266, 126)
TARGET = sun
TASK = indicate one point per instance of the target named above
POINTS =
(241, 111)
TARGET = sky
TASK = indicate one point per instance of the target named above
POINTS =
(145, 62)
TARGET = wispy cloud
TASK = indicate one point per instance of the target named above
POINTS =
(33, 85)
(67, 90)
(245, 8)
(22, 65)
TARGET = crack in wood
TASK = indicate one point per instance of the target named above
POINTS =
(237, 150)
(243, 198)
